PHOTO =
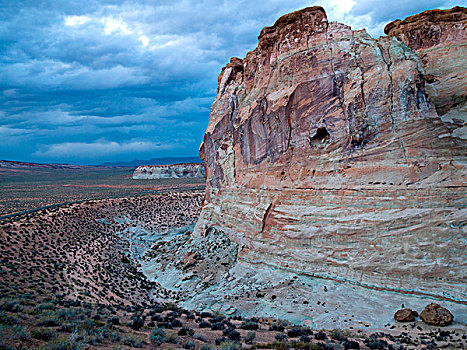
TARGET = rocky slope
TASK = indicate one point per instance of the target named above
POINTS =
(172, 171)
(326, 154)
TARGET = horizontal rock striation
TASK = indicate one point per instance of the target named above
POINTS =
(325, 155)
(172, 171)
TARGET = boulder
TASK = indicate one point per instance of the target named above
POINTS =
(405, 315)
(436, 315)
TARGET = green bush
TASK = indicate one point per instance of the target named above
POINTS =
(132, 341)
(8, 320)
(158, 336)
(10, 305)
(64, 344)
(250, 336)
(43, 334)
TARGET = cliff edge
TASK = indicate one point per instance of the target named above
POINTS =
(340, 156)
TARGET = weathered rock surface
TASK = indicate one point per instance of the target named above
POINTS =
(436, 315)
(439, 38)
(405, 315)
(326, 157)
(188, 170)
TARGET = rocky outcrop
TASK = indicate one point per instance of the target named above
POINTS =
(438, 37)
(436, 315)
(172, 171)
(325, 156)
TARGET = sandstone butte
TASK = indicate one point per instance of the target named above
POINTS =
(340, 156)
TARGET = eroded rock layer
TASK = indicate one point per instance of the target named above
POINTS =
(171, 171)
(325, 156)
(439, 39)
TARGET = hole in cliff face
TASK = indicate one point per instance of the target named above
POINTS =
(320, 137)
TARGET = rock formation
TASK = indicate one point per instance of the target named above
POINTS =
(439, 39)
(326, 154)
(172, 171)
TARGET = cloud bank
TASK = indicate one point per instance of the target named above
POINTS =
(93, 81)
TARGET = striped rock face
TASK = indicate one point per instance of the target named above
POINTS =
(325, 156)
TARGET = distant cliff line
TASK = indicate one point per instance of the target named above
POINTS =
(170, 171)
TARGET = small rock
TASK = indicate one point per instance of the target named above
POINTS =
(405, 315)
(188, 277)
(436, 315)
(189, 259)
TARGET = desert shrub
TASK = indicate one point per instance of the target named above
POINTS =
(250, 336)
(64, 344)
(158, 336)
(10, 334)
(310, 346)
(176, 323)
(321, 336)
(229, 324)
(217, 326)
(189, 345)
(114, 320)
(377, 343)
(46, 306)
(172, 338)
(43, 334)
(351, 344)
(249, 325)
(276, 345)
(157, 318)
(280, 336)
(67, 314)
(10, 305)
(200, 337)
(49, 322)
(305, 339)
(277, 327)
(8, 320)
(67, 327)
(206, 314)
(337, 334)
(156, 310)
(185, 331)
(216, 319)
(137, 323)
(298, 331)
(133, 341)
(228, 345)
(165, 325)
(232, 334)
(204, 324)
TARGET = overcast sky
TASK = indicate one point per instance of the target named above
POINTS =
(91, 81)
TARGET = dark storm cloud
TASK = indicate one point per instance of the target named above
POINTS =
(92, 81)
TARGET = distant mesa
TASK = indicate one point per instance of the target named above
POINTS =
(8, 164)
(170, 171)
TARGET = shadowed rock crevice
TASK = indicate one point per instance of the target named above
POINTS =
(320, 137)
